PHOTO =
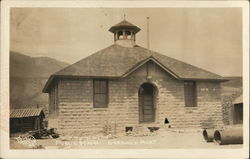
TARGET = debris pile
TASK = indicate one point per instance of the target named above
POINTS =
(44, 133)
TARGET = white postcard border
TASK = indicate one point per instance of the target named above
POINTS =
(109, 153)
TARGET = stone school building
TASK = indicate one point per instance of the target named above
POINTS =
(128, 87)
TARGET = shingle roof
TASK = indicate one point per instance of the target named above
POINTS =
(116, 61)
(124, 25)
(27, 112)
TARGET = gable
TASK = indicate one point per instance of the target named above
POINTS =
(150, 67)
(152, 70)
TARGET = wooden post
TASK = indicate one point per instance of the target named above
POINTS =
(148, 34)
(123, 34)
(116, 35)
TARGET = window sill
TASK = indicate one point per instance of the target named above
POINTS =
(189, 107)
(100, 109)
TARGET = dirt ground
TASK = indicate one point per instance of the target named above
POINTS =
(157, 140)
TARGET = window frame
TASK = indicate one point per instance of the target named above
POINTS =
(53, 101)
(194, 94)
(106, 93)
(120, 33)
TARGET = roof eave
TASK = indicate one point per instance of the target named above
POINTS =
(53, 77)
(114, 28)
(48, 83)
(207, 79)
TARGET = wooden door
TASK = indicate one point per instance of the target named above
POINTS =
(146, 103)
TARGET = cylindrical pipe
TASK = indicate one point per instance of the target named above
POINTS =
(232, 135)
(208, 134)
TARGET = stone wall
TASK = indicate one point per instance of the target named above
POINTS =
(76, 112)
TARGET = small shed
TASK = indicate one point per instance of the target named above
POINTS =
(238, 110)
(22, 120)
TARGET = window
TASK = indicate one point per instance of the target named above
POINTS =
(120, 35)
(100, 93)
(190, 94)
(128, 34)
(53, 101)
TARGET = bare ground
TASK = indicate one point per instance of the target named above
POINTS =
(158, 140)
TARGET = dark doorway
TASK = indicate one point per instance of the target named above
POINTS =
(147, 103)
(238, 113)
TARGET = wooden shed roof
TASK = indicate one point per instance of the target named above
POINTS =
(27, 112)
(117, 61)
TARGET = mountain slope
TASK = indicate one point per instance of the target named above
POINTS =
(25, 66)
(28, 75)
(232, 87)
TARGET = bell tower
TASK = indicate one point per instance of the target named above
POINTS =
(124, 33)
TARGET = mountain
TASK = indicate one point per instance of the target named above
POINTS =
(232, 87)
(28, 75)
(25, 66)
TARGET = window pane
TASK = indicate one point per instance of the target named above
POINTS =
(189, 91)
(96, 86)
(103, 87)
(100, 100)
(103, 99)
(96, 99)
(100, 86)
(100, 93)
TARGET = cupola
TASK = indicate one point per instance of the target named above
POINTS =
(124, 33)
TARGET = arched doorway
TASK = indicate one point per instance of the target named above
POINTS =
(147, 96)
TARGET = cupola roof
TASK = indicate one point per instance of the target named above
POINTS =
(124, 25)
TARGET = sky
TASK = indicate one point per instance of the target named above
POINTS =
(209, 38)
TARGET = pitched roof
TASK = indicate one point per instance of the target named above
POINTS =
(27, 112)
(238, 100)
(124, 25)
(116, 61)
